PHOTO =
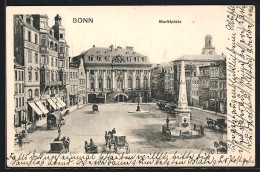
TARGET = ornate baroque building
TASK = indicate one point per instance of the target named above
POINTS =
(116, 74)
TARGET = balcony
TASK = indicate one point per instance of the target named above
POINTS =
(63, 55)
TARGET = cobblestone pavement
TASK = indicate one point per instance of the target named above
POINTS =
(142, 130)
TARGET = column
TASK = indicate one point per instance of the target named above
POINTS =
(87, 80)
(113, 80)
(149, 79)
(141, 79)
(105, 98)
(134, 80)
(126, 80)
(104, 79)
(96, 79)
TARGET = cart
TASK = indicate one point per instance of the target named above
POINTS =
(58, 147)
(90, 149)
(95, 108)
(119, 142)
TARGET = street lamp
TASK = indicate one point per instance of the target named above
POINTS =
(138, 101)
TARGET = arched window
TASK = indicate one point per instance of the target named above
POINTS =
(29, 93)
(55, 47)
(36, 92)
(108, 83)
(51, 45)
(91, 83)
(137, 83)
(100, 83)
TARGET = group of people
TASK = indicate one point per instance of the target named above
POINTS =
(65, 140)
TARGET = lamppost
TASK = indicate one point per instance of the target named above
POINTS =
(138, 101)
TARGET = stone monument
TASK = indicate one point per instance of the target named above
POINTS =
(182, 110)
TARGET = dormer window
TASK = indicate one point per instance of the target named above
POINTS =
(61, 36)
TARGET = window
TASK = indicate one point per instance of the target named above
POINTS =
(29, 75)
(91, 72)
(17, 102)
(52, 76)
(119, 83)
(130, 83)
(16, 75)
(29, 36)
(61, 49)
(16, 88)
(108, 83)
(55, 47)
(36, 39)
(36, 76)
(52, 61)
(137, 83)
(61, 35)
(30, 93)
(145, 83)
(56, 62)
(100, 83)
(36, 58)
(22, 101)
(70, 74)
(22, 75)
(36, 92)
(91, 83)
(29, 56)
(22, 88)
(108, 72)
(51, 45)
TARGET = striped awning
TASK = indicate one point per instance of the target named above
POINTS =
(35, 108)
(61, 102)
(56, 102)
(52, 104)
(42, 107)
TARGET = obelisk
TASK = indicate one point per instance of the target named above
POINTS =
(182, 110)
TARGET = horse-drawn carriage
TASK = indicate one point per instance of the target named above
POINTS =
(116, 141)
(60, 145)
(220, 146)
(95, 108)
(91, 148)
(55, 119)
(161, 105)
(221, 124)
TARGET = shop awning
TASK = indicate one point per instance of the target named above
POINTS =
(61, 102)
(35, 108)
(56, 102)
(42, 107)
(52, 104)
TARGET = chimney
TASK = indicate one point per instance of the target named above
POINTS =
(31, 20)
(93, 46)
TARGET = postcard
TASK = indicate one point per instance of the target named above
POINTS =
(130, 86)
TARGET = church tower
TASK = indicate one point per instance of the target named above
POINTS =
(208, 49)
(59, 30)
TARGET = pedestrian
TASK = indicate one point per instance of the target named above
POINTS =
(167, 122)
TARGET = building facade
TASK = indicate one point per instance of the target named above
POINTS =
(116, 74)
(43, 52)
(19, 97)
(162, 80)
(194, 65)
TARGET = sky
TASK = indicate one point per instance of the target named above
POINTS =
(139, 26)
